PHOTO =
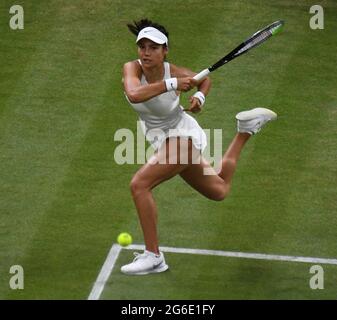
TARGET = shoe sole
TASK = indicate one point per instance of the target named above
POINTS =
(252, 114)
(160, 268)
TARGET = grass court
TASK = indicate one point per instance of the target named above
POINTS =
(64, 200)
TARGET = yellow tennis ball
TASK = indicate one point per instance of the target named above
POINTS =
(124, 239)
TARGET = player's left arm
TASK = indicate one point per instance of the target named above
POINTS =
(203, 86)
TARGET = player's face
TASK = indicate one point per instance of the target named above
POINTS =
(150, 53)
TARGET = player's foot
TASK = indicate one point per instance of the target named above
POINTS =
(145, 263)
(252, 121)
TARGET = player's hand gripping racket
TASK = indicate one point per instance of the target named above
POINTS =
(256, 39)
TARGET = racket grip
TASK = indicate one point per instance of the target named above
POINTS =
(201, 75)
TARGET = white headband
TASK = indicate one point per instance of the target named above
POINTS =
(153, 34)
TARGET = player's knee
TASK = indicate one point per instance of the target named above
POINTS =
(221, 194)
(137, 186)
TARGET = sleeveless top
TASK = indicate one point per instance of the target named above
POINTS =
(161, 112)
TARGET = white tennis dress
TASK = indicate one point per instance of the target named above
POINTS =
(163, 116)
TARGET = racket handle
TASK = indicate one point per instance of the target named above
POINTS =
(201, 75)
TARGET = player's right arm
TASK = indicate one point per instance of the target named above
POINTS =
(136, 92)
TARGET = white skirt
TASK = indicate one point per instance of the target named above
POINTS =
(187, 127)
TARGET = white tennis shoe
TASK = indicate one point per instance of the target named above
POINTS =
(145, 263)
(252, 121)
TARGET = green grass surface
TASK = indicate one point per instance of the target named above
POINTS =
(63, 199)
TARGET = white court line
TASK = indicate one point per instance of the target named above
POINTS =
(233, 254)
(105, 272)
(115, 250)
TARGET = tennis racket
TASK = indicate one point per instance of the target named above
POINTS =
(256, 39)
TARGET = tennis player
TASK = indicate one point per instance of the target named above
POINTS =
(152, 86)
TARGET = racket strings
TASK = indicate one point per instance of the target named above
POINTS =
(255, 41)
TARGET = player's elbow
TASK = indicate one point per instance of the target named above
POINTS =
(133, 96)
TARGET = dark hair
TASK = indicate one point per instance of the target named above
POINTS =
(137, 26)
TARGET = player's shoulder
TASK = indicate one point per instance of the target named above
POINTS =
(178, 71)
(134, 64)
(132, 67)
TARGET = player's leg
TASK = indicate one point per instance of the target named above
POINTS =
(146, 178)
(231, 157)
(216, 187)
(162, 166)
(212, 185)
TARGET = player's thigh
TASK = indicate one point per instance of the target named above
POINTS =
(203, 178)
(177, 150)
(162, 166)
(150, 175)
